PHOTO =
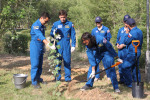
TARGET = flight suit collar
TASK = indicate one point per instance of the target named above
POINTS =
(101, 28)
(124, 29)
(39, 23)
(64, 23)
(134, 28)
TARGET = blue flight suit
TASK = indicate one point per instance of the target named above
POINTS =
(66, 31)
(130, 60)
(107, 59)
(36, 51)
(95, 55)
(122, 54)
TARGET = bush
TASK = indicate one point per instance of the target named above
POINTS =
(15, 43)
(80, 46)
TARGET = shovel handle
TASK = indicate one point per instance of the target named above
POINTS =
(116, 64)
(136, 41)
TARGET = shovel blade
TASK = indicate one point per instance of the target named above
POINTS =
(137, 90)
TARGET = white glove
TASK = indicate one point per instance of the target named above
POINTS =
(119, 60)
(54, 31)
(72, 49)
(92, 75)
(58, 36)
(51, 47)
(104, 41)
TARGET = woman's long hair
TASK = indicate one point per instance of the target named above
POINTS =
(86, 36)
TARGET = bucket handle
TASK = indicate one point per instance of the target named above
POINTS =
(19, 83)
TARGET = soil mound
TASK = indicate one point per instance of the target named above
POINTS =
(93, 94)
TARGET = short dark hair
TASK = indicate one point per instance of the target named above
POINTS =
(62, 12)
(45, 15)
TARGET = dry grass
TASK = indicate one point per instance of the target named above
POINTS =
(102, 89)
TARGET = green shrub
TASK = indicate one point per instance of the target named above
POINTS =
(80, 46)
(15, 43)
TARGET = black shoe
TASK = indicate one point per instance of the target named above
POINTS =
(68, 81)
(85, 88)
(43, 82)
(121, 82)
(37, 86)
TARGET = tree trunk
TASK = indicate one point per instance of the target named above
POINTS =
(147, 66)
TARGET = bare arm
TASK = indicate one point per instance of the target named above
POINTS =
(45, 42)
(93, 68)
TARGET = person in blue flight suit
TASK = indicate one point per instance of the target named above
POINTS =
(103, 31)
(99, 45)
(134, 33)
(122, 52)
(37, 43)
(66, 30)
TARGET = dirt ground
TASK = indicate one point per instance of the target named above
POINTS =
(102, 89)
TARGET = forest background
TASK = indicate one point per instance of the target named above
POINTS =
(17, 16)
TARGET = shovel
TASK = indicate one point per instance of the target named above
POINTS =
(116, 64)
(137, 87)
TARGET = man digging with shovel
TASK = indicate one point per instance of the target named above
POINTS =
(95, 52)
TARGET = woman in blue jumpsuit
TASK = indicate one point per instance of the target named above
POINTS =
(122, 52)
(129, 62)
(98, 45)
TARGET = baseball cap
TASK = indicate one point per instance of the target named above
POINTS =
(130, 21)
(98, 19)
(126, 17)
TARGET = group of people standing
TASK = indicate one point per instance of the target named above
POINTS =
(97, 45)
(99, 48)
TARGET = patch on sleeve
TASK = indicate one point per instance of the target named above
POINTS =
(36, 27)
(100, 45)
(68, 35)
(72, 25)
(86, 49)
(108, 31)
(129, 35)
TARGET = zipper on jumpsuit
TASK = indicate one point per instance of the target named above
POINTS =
(63, 39)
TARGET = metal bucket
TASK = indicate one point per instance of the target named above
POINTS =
(137, 90)
(20, 80)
